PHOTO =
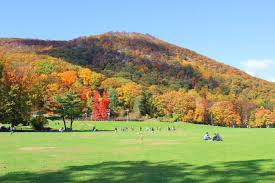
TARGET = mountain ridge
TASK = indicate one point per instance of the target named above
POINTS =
(60, 43)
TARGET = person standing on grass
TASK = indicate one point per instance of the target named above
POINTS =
(12, 130)
(141, 137)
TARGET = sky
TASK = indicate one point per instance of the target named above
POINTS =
(240, 33)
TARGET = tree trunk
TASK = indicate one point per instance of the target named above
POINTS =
(71, 126)
(64, 121)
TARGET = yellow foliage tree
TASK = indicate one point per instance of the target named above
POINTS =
(85, 75)
(176, 102)
(90, 78)
(224, 113)
(110, 83)
(128, 93)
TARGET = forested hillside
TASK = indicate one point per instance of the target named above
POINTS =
(116, 73)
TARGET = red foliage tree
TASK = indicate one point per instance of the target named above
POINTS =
(86, 93)
(96, 106)
(100, 106)
(104, 105)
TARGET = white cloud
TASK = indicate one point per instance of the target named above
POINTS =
(264, 69)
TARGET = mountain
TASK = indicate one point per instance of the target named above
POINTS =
(144, 60)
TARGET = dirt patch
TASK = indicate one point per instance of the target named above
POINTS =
(36, 149)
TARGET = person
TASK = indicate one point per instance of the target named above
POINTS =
(140, 128)
(174, 128)
(12, 130)
(217, 137)
(153, 130)
(61, 129)
(214, 137)
(93, 129)
(115, 129)
(206, 136)
(141, 137)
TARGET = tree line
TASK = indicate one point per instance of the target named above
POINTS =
(53, 88)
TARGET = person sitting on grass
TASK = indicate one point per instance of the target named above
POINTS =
(217, 137)
(206, 136)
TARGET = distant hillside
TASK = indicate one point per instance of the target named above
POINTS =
(142, 59)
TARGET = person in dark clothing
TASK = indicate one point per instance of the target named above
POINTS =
(217, 137)
(93, 129)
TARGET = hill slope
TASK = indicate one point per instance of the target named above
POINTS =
(155, 65)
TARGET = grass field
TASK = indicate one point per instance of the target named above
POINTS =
(245, 155)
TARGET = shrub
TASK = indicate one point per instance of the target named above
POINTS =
(38, 122)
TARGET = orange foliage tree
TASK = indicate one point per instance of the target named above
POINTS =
(68, 77)
(224, 113)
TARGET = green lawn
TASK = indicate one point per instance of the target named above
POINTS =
(245, 155)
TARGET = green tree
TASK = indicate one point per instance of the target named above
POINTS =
(68, 106)
(146, 104)
(15, 105)
(113, 100)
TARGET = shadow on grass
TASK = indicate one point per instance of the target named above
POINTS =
(149, 172)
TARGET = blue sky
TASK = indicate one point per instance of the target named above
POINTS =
(240, 33)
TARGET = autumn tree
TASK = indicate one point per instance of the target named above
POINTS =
(100, 106)
(104, 105)
(176, 103)
(128, 93)
(224, 113)
(90, 78)
(96, 106)
(68, 77)
(15, 94)
(261, 117)
(201, 113)
(110, 83)
(85, 75)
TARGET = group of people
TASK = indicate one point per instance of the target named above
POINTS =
(216, 137)
(147, 129)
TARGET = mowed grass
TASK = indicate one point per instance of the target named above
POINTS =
(245, 155)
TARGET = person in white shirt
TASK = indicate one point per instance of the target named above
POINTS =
(206, 136)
